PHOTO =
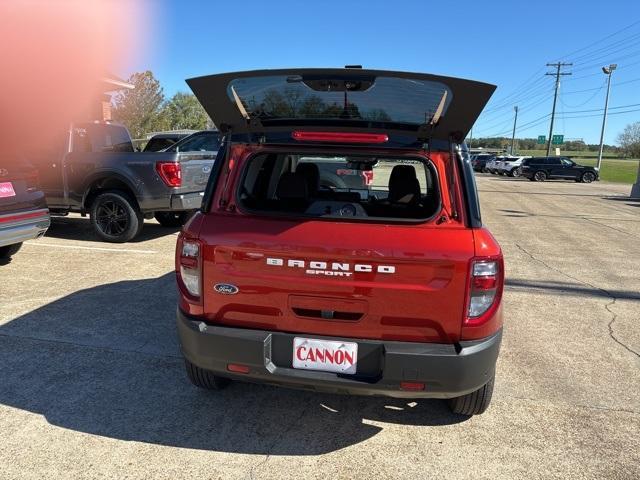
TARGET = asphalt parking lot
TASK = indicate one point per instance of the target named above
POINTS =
(92, 385)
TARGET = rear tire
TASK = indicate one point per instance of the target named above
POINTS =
(171, 219)
(540, 176)
(115, 217)
(473, 403)
(203, 378)
(8, 251)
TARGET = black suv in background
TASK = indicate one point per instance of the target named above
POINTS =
(539, 169)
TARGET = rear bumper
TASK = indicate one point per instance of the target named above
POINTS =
(446, 370)
(186, 201)
(22, 226)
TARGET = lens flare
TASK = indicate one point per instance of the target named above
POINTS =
(55, 57)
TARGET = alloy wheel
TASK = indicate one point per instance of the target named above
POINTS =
(112, 218)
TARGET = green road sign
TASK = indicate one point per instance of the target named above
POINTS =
(542, 139)
(557, 140)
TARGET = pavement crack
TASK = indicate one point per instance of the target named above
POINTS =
(619, 230)
(607, 307)
(578, 405)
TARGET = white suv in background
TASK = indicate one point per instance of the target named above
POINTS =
(510, 166)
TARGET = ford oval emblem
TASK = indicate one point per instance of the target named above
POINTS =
(206, 169)
(225, 288)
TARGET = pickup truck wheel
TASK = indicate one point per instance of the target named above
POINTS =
(204, 378)
(115, 217)
(9, 250)
(473, 403)
(172, 219)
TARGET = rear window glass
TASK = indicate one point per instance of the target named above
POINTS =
(383, 99)
(158, 143)
(199, 143)
(98, 137)
(340, 187)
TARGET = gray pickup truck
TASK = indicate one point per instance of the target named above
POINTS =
(94, 169)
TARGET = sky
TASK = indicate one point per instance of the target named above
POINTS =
(502, 42)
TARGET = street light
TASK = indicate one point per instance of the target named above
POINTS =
(607, 71)
(513, 135)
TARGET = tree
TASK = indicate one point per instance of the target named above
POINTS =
(141, 109)
(629, 140)
(184, 112)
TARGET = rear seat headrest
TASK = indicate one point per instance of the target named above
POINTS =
(404, 186)
(292, 186)
(311, 173)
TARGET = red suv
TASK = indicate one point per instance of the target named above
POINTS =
(340, 246)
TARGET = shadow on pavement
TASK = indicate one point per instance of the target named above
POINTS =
(632, 202)
(105, 361)
(78, 228)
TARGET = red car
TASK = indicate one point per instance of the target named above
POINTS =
(388, 285)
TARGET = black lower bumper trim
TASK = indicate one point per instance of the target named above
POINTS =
(447, 370)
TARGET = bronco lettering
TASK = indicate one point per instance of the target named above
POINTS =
(334, 269)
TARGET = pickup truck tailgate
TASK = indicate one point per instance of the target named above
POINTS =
(195, 169)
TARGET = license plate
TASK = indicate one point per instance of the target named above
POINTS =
(6, 190)
(325, 355)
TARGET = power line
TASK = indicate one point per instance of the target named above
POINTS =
(601, 109)
(601, 40)
(616, 47)
(592, 89)
(589, 99)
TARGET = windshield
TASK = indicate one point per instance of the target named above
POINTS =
(383, 99)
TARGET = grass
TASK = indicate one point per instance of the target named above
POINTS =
(613, 169)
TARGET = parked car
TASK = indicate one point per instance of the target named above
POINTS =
(95, 170)
(539, 169)
(479, 161)
(492, 165)
(511, 166)
(161, 141)
(393, 288)
(23, 210)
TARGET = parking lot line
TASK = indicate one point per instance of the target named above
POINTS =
(99, 249)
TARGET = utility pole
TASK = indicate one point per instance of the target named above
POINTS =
(607, 71)
(513, 135)
(557, 74)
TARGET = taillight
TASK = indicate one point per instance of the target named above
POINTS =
(339, 137)
(170, 173)
(190, 264)
(368, 177)
(485, 290)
